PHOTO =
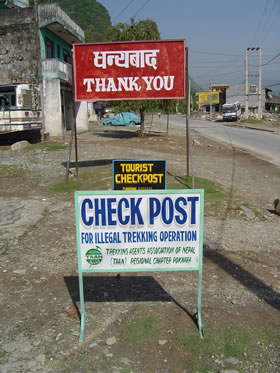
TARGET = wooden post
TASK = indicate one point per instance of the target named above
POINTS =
(74, 129)
(187, 114)
(74, 115)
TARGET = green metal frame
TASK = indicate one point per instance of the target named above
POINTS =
(199, 268)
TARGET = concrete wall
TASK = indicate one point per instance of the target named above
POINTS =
(81, 116)
(19, 47)
(52, 107)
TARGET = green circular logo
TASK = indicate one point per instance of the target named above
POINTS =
(94, 256)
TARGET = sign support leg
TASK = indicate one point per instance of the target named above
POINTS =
(199, 322)
(82, 307)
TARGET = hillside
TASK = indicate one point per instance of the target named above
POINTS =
(93, 18)
(90, 15)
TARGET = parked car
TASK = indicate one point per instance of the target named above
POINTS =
(123, 119)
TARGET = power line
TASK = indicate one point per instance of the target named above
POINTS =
(124, 9)
(139, 10)
(268, 62)
(271, 23)
(261, 20)
(217, 54)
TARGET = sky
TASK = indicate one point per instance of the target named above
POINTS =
(217, 34)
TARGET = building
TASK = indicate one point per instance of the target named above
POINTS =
(272, 102)
(213, 99)
(35, 49)
(237, 94)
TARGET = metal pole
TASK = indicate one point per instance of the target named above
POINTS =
(74, 115)
(260, 85)
(246, 85)
(187, 113)
(190, 138)
(210, 99)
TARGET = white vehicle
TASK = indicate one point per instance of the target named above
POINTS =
(20, 108)
(231, 111)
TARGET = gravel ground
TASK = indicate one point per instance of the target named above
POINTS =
(39, 321)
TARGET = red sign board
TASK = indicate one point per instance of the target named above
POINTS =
(129, 70)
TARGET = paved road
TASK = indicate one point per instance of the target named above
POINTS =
(264, 144)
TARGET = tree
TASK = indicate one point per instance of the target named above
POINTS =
(142, 30)
(145, 29)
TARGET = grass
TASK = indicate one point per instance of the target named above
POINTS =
(100, 179)
(70, 187)
(140, 329)
(245, 343)
(252, 121)
(7, 170)
(45, 147)
(215, 197)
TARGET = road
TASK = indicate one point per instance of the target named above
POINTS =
(265, 145)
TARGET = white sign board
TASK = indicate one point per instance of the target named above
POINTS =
(127, 231)
(139, 230)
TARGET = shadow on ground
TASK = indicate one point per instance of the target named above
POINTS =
(90, 163)
(247, 279)
(121, 289)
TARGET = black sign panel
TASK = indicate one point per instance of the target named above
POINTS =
(137, 175)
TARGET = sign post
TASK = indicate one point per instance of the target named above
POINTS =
(139, 175)
(136, 231)
(131, 70)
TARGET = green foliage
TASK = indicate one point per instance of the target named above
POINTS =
(141, 30)
(145, 29)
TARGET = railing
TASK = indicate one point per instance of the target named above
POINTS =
(55, 68)
(51, 13)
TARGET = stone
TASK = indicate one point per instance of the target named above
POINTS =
(277, 206)
(18, 146)
(248, 212)
(232, 360)
(25, 347)
(41, 358)
(111, 341)
(9, 347)
(125, 361)
(20, 272)
(162, 342)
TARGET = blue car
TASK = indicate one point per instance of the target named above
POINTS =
(123, 119)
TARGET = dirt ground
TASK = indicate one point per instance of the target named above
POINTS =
(138, 322)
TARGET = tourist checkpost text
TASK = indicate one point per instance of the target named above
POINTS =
(139, 226)
(139, 174)
(136, 231)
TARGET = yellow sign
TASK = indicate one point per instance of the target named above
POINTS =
(205, 98)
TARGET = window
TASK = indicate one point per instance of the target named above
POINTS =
(49, 48)
(66, 56)
(58, 51)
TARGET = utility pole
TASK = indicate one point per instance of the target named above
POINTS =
(210, 86)
(260, 86)
(247, 84)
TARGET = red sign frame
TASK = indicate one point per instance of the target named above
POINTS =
(134, 70)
